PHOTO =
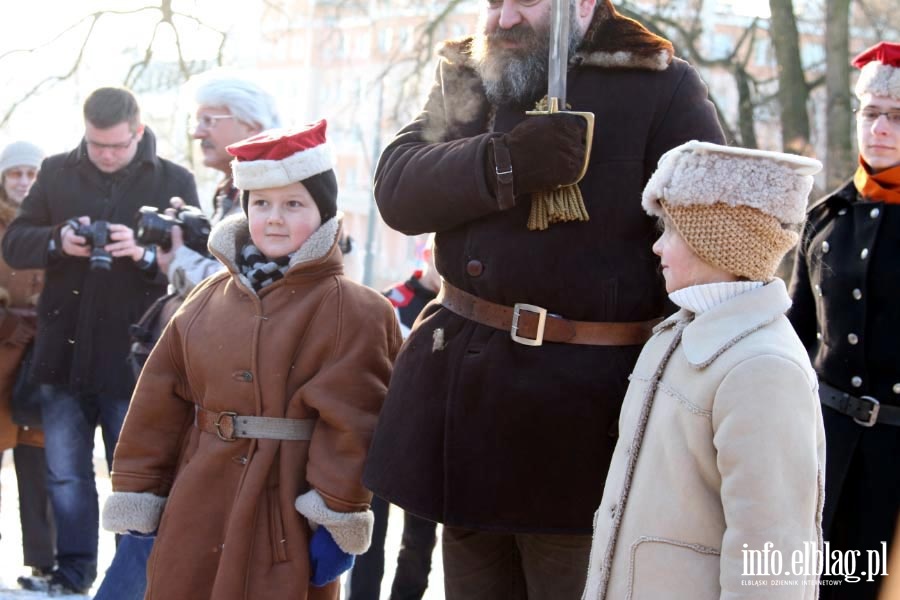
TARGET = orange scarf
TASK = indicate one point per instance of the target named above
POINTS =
(883, 186)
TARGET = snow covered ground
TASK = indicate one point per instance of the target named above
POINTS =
(11, 543)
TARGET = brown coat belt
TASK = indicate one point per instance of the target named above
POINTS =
(230, 426)
(532, 325)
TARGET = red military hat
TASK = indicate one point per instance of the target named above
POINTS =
(280, 157)
(879, 71)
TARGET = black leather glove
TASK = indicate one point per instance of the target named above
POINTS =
(546, 152)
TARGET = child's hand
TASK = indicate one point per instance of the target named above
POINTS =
(327, 560)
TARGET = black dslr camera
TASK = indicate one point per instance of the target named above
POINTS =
(154, 227)
(96, 236)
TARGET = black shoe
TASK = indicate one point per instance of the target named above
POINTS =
(34, 583)
(60, 586)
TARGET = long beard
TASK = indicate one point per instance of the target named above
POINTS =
(518, 76)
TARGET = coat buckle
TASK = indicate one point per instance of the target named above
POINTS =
(218, 424)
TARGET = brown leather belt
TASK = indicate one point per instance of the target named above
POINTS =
(532, 325)
(230, 426)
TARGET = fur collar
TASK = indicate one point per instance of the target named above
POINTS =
(716, 330)
(8, 210)
(231, 234)
(612, 41)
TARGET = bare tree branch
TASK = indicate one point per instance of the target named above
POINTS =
(135, 71)
(53, 78)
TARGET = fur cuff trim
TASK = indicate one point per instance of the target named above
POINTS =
(352, 531)
(133, 511)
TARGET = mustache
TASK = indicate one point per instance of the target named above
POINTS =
(520, 33)
(207, 145)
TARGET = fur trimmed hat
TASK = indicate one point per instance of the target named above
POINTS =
(738, 209)
(280, 157)
(21, 153)
(879, 71)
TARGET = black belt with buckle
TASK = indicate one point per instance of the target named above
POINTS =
(865, 410)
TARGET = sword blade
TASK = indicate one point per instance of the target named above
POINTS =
(559, 51)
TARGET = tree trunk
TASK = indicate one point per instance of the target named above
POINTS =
(793, 93)
(745, 108)
(839, 155)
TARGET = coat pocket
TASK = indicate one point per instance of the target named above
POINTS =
(672, 569)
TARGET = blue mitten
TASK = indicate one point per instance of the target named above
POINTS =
(326, 559)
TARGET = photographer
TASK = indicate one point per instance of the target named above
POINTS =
(76, 224)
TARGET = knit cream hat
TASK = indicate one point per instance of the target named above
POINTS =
(738, 209)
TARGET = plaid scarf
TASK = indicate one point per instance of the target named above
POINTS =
(260, 270)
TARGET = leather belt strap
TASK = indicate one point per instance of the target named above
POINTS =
(230, 426)
(865, 410)
(532, 325)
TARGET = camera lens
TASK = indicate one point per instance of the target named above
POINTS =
(151, 227)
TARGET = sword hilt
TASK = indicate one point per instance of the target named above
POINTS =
(553, 109)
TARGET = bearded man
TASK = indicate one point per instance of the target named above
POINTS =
(496, 427)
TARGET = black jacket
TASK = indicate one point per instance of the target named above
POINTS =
(478, 431)
(83, 314)
(846, 310)
(845, 286)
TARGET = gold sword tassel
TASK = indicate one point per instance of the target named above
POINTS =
(565, 203)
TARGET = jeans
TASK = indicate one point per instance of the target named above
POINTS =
(69, 423)
(496, 566)
(35, 512)
(126, 577)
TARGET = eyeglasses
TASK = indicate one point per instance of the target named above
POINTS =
(870, 115)
(208, 122)
(114, 147)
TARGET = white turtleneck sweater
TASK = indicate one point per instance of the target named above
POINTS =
(700, 298)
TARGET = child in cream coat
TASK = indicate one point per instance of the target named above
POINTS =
(721, 453)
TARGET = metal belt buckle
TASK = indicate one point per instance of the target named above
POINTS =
(873, 413)
(514, 328)
(225, 413)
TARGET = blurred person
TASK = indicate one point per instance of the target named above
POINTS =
(409, 299)
(75, 224)
(522, 364)
(845, 311)
(228, 110)
(246, 462)
(20, 427)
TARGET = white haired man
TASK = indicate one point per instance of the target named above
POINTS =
(229, 109)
